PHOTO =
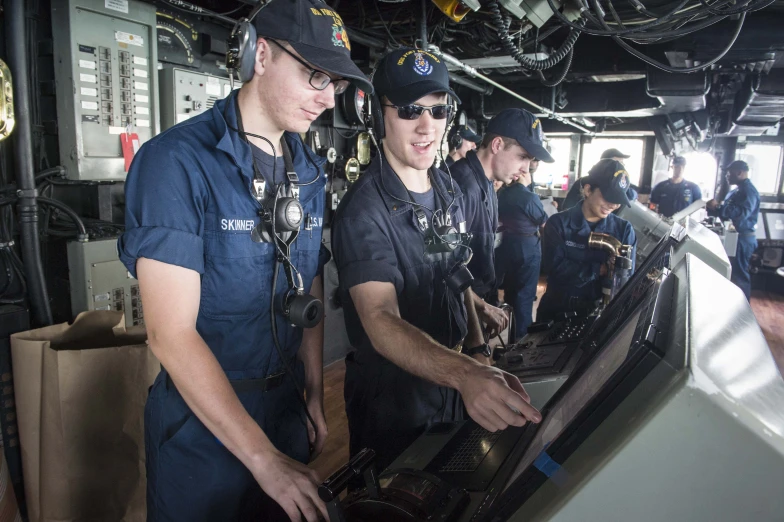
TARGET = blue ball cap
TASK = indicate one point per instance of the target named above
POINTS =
(737, 166)
(611, 178)
(465, 132)
(525, 128)
(407, 74)
(316, 32)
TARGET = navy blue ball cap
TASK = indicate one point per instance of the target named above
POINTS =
(465, 132)
(737, 166)
(614, 153)
(525, 128)
(407, 74)
(611, 178)
(316, 32)
(679, 160)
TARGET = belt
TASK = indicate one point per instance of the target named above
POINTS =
(747, 234)
(521, 234)
(270, 382)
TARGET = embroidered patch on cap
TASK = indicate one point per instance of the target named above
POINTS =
(624, 181)
(339, 37)
(536, 126)
(421, 65)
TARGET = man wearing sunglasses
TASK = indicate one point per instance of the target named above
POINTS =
(513, 140)
(226, 435)
(405, 322)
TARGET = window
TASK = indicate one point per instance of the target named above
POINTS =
(701, 168)
(633, 147)
(764, 161)
(547, 173)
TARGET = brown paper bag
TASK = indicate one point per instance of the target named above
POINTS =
(80, 394)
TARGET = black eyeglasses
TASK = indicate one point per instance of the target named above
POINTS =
(413, 112)
(319, 80)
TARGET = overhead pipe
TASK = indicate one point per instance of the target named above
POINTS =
(367, 41)
(476, 74)
(23, 160)
(423, 24)
(465, 82)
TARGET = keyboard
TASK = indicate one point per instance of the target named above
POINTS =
(569, 332)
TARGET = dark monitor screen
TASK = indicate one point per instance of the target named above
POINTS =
(568, 405)
(607, 345)
(775, 222)
(760, 230)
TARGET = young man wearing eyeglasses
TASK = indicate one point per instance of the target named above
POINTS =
(406, 321)
(226, 435)
(513, 140)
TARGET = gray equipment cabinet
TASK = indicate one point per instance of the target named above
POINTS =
(106, 79)
(99, 281)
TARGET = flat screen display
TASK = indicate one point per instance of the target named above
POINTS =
(578, 393)
(775, 221)
(760, 230)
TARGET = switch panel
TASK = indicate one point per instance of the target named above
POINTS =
(185, 94)
(105, 60)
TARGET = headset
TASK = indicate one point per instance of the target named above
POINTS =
(440, 235)
(281, 211)
(241, 46)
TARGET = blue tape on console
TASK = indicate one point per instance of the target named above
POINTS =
(546, 465)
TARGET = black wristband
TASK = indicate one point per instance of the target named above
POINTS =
(484, 349)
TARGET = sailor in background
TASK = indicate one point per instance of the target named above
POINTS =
(461, 140)
(574, 282)
(676, 193)
(575, 192)
(512, 140)
(741, 206)
(519, 257)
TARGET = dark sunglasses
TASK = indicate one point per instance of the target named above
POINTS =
(413, 112)
(319, 80)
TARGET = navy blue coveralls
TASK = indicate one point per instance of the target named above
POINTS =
(481, 213)
(742, 206)
(189, 203)
(674, 197)
(519, 258)
(574, 283)
(376, 238)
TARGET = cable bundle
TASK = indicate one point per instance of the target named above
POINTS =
(645, 27)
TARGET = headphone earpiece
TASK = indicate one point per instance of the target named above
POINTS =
(241, 53)
(455, 141)
(241, 45)
(375, 116)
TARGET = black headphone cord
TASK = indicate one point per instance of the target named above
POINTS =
(245, 135)
(276, 271)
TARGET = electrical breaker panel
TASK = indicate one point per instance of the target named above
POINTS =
(106, 82)
(99, 281)
(184, 94)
